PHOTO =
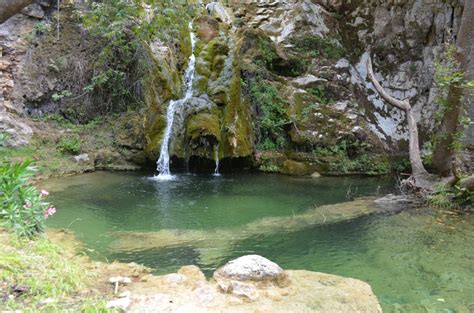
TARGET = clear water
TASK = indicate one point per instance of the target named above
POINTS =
(415, 261)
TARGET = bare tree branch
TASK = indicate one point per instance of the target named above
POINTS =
(401, 104)
(419, 173)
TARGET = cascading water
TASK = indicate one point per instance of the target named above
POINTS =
(163, 163)
(216, 158)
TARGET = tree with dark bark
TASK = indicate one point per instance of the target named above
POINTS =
(459, 97)
(8, 8)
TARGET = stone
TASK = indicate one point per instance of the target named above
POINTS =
(18, 134)
(121, 303)
(296, 168)
(250, 268)
(81, 158)
(174, 279)
(238, 288)
(34, 10)
(192, 272)
(308, 81)
(315, 175)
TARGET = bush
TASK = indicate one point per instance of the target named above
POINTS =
(122, 26)
(315, 46)
(70, 144)
(22, 206)
(272, 115)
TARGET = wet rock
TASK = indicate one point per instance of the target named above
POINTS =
(315, 175)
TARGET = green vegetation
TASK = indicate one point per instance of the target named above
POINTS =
(272, 116)
(22, 207)
(121, 27)
(70, 144)
(39, 276)
(449, 75)
(267, 58)
(451, 197)
(57, 96)
(348, 157)
(315, 46)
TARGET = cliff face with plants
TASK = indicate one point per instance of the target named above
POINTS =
(280, 85)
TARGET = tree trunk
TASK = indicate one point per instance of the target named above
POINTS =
(444, 154)
(419, 172)
(9, 8)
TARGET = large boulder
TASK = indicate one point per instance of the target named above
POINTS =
(250, 267)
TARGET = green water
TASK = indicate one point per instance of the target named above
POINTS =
(415, 261)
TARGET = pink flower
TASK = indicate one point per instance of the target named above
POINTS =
(44, 192)
(49, 211)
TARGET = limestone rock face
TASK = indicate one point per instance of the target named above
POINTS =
(17, 133)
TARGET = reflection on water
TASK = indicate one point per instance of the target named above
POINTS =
(414, 260)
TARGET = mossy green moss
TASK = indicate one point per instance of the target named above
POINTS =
(291, 167)
(203, 124)
(160, 84)
(238, 131)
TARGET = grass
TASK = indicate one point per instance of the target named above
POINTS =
(50, 278)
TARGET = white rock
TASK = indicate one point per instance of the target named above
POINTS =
(122, 304)
(250, 267)
(81, 158)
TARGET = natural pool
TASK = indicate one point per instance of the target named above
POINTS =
(416, 260)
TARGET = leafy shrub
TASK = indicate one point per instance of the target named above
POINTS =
(70, 144)
(341, 161)
(22, 206)
(447, 197)
(449, 76)
(315, 46)
(57, 96)
(122, 26)
(272, 115)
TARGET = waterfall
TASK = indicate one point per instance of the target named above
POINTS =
(163, 163)
(216, 158)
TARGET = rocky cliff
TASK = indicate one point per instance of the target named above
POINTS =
(280, 84)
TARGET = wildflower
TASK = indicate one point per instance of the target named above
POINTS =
(44, 192)
(27, 205)
(49, 211)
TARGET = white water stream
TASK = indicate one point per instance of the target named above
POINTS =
(163, 163)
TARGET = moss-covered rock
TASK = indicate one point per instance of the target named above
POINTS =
(160, 84)
(291, 167)
(207, 28)
(203, 125)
